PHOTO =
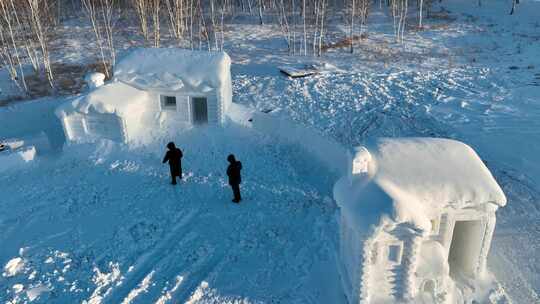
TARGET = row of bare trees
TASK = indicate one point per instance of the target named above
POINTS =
(24, 37)
(26, 26)
(197, 21)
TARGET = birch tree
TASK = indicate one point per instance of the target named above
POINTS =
(9, 49)
(141, 9)
(156, 6)
(101, 15)
(40, 32)
(351, 35)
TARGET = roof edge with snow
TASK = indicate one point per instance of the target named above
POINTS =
(173, 69)
(414, 179)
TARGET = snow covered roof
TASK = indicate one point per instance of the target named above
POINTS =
(115, 97)
(173, 69)
(413, 179)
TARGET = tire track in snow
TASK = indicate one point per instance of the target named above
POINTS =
(145, 263)
(193, 274)
(193, 280)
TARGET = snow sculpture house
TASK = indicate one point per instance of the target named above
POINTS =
(152, 90)
(417, 217)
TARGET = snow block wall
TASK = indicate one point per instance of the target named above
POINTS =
(155, 92)
(334, 156)
(417, 216)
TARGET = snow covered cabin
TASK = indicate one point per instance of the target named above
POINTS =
(417, 218)
(152, 89)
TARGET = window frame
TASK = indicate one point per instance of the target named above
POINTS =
(165, 106)
(399, 257)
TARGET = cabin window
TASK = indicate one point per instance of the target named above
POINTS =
(168, 102)
(394, 253)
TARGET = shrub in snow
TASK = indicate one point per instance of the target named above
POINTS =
(417, 214)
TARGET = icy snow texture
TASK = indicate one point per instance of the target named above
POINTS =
(174, 69)
(432, 261)
(13, 158)
(412, 179)
(13, 267)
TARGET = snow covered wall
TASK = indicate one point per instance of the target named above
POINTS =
(184, 74)
(330, 153)
(154, 92)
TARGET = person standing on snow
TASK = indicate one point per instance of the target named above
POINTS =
(233, 172)
(174, 157)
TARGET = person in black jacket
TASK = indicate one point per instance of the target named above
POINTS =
(174, 157)
(233, 172)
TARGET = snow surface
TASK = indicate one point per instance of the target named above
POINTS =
(113, 98)
(14, 159)
(103, 208)
(13, 267)
(174, 69)
(105, 232)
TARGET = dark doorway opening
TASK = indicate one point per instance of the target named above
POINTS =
(465, 247)
(200, 110)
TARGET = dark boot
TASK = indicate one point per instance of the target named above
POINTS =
(236, 192)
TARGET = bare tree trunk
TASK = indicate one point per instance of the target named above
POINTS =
(191, 24)
(213, 20)
(284, 24)
(294, 23)
(102, 26)
(142, 7)
(321, 32)
(11, 57)
(304, 25)
(176, 18)
(261, 22)
(351, 36)
(25, 29)
(156, 5)
(421, 11)
(364, 12)
(224, 3)
(514, 2)
(316, 28)
(108, 7)
(404, 18)
(39, 30)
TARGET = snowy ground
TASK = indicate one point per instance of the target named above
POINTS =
(80, 219)
(120, 221)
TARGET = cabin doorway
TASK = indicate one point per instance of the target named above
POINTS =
(465, 247)
(200, 110)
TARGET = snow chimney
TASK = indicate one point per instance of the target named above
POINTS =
(360, 161)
